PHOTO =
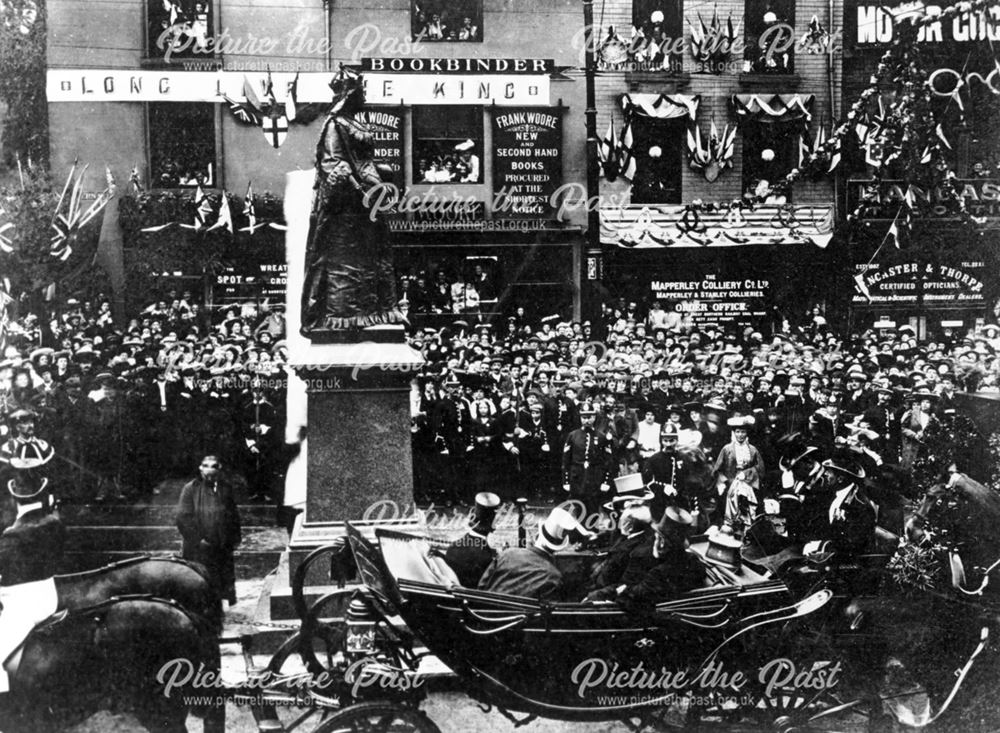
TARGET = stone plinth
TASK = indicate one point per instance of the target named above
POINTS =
(359, 465)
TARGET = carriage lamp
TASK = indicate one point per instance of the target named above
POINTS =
(360, 628)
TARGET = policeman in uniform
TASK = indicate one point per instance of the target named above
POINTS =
(587, 462)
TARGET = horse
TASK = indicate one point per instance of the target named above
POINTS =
(131, 651)
(169, 578)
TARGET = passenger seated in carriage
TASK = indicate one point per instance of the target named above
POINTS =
(675, 570)
(531, 571)
(630, 549)
(30, 552)
(471, 554)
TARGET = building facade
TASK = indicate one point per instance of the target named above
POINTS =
(711, 100)
(471, 103)
(941, 277)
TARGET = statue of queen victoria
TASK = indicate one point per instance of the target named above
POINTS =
(349, 279)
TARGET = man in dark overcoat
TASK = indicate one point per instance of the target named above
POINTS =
(209, 522)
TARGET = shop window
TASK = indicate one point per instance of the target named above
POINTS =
(179, 29)
(447, 144)
(661, 23)
(447, 21)
(770, 36)
(181, 144)
(656, 145)
(769, 151)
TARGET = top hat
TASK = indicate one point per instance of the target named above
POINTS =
(557, 530)
(485, 511)
(630, 488)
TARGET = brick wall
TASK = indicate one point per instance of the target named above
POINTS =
(716, 90)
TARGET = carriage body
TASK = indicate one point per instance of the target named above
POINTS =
(577, 661)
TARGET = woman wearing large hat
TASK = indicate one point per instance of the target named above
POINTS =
(914, 425)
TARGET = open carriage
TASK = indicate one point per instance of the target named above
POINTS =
(747, 651)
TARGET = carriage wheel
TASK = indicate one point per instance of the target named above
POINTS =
(320, 642)
(378, 717)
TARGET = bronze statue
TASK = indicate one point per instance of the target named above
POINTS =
(349, 282)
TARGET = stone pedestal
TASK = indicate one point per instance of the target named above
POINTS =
(359, 461)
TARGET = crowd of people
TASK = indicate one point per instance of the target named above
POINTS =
(125, 406)
(457, 165)
(437, 291)
(544, 408)
(568, 407)
(441, 25)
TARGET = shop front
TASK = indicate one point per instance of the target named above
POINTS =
(478, 151)
(731, 269)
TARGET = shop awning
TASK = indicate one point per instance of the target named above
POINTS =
(661, 106)
(643, 227)
(771, 108)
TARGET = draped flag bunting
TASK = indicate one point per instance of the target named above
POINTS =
(716, 226)
(661, 106)
(67, 224)
(773, 107)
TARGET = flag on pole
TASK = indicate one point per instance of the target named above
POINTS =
(225, 219)
(202, 210)
(135, 183)
(862, 286)
(608, 152)
(250, 212)
(6, 243)
(626, 156)
(68, 224)
(893, 232)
